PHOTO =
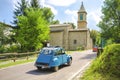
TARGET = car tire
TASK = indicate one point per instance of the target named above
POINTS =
(56, 68)
(70, 62)
(39, 68)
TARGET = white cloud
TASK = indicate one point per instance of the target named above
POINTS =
(72, 16)
(95, 15)
(61, 2)
(42, 2)
(71, 12)
(53, 9)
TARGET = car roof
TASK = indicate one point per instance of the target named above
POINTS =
(53, 48)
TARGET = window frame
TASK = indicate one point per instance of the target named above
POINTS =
(81, 17)
(75, 41)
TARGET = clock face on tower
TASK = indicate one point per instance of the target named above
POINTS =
(81, 16)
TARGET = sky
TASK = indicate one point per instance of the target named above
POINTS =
(64, 10)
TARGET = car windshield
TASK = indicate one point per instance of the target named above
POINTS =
(47, 51)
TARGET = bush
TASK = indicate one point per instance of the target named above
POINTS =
(80, 48)
(9, 49)
(1, 49)
(110, 60)
(109, 42)
(13, 48)
(106, 66)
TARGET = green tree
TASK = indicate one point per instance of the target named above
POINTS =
(33, 30)
(48, 14)
(2, 36)
(32, 19)
(5, 35)
(94, 35)
(110, 24)
(19, 10)
(35, 4)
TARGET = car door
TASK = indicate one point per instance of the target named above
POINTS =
(64, 56)
(59, 56)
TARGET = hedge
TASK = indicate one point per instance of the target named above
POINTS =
(106, 66)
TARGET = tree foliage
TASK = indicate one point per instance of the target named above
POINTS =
(94, 35)
(35, 4)
(48, 14)
(32, 22)
(19, 10)
(5, 34)
(110, 24)
(55, 22)
(23, 4)
(2, 36)
(33, 30)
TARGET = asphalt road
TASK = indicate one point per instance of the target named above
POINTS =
(29, 71)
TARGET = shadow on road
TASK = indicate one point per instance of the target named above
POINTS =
(40, 72)
(89, 56)
(44, 71)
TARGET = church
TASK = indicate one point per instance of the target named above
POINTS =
(71, 39)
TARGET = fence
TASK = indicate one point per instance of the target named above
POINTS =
(15, 56)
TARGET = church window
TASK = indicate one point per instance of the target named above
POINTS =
(81, 16)
(75, 41)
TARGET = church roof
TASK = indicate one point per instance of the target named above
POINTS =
(82, 9)
(59, 25)
(78, 30)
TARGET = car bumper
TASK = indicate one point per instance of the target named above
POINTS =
(42, 66)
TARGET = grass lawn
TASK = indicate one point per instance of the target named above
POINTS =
(7, 63)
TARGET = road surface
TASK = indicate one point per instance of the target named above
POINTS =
(29, 72)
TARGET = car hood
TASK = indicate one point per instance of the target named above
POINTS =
(44, 58)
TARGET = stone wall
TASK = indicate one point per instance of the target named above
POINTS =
(77, 38)
(82, 24)
(59, 35)
(89, 40)
(56, 38)
(68, 38)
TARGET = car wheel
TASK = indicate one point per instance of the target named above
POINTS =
(55, 68)
(70, 62)
(39, 68)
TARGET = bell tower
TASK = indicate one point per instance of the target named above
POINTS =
(82, 23)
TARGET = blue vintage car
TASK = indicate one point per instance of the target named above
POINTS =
(52, 57)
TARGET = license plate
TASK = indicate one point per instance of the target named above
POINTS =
(44, 66)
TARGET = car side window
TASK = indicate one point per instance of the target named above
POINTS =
(63, 51)
(59, 52)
